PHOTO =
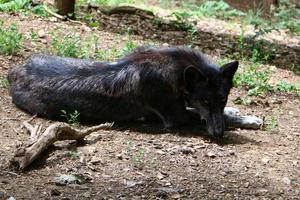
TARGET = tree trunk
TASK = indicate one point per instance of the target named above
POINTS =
(66, 8)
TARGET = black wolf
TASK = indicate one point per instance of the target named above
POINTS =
(164, 81)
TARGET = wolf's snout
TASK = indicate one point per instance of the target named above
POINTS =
(215, 125)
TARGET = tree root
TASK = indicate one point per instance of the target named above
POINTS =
(40, 141)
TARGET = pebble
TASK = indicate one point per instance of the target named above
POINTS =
(265, 160)
(41, 33)
(211, 154)
(186, 150)
(66, 179)
(287, 180)
(130, 184)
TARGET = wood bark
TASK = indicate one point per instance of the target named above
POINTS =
(66, 8)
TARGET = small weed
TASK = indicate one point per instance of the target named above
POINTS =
(139, 158)
(182, 20)
(259, 48)
(40, 11)
(12, 5)
(4, 82)
(255, 80)
(217, 9)
(287, 87)
(259, 51)
(73, 154)
(128, 151)
(287, 16)
(129, 46)
(10, 40)
(33, 35)
(254, 18)
(72, 118)
(271, 121)
(66, 45)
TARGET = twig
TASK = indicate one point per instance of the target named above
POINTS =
(60, 16)
(55, 132)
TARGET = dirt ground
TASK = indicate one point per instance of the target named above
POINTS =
(141, 161)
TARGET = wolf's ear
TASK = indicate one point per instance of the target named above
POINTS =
(192, 77)
(228, 70)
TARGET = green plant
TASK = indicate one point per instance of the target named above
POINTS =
(260, 48)
(287, 87)
(72, 118)
(139, 158)
(254, 18)
(217, 9)
(271, 121)
(73, 154)
(40, 10)
(65, 45)
(33, 35)
(254, 79)
(287, 16)
(129, 46)
(12, 5)
(10, 40)
(4, 82)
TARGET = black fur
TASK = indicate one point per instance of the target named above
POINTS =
(163, 81)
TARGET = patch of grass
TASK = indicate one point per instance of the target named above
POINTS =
(129, 46)
(4, 83)
(73, 154)
(12, 5)
(287, 88)
(33, 35)
(271, 121)
(260, 50)
(287, 16)
(139, 158)
(10, 40)
(136, 156)
(216, 9)
(72, 118)
(254, 79)
(257, 83)
(40, 11)
(65, 45)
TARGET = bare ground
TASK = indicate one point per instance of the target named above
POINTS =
(141, 161)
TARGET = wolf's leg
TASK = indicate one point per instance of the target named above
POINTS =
(172, 114)
(234, 120)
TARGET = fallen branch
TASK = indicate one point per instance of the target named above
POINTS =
(41, 141)
(64, 18)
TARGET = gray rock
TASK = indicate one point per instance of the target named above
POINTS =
(66, 179)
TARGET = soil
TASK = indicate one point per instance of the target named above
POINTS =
(142, 161)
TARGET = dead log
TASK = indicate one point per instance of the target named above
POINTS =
(25, 155)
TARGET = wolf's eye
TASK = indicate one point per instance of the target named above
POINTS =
(224, 100)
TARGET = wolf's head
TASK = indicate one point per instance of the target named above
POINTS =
(207, 91)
